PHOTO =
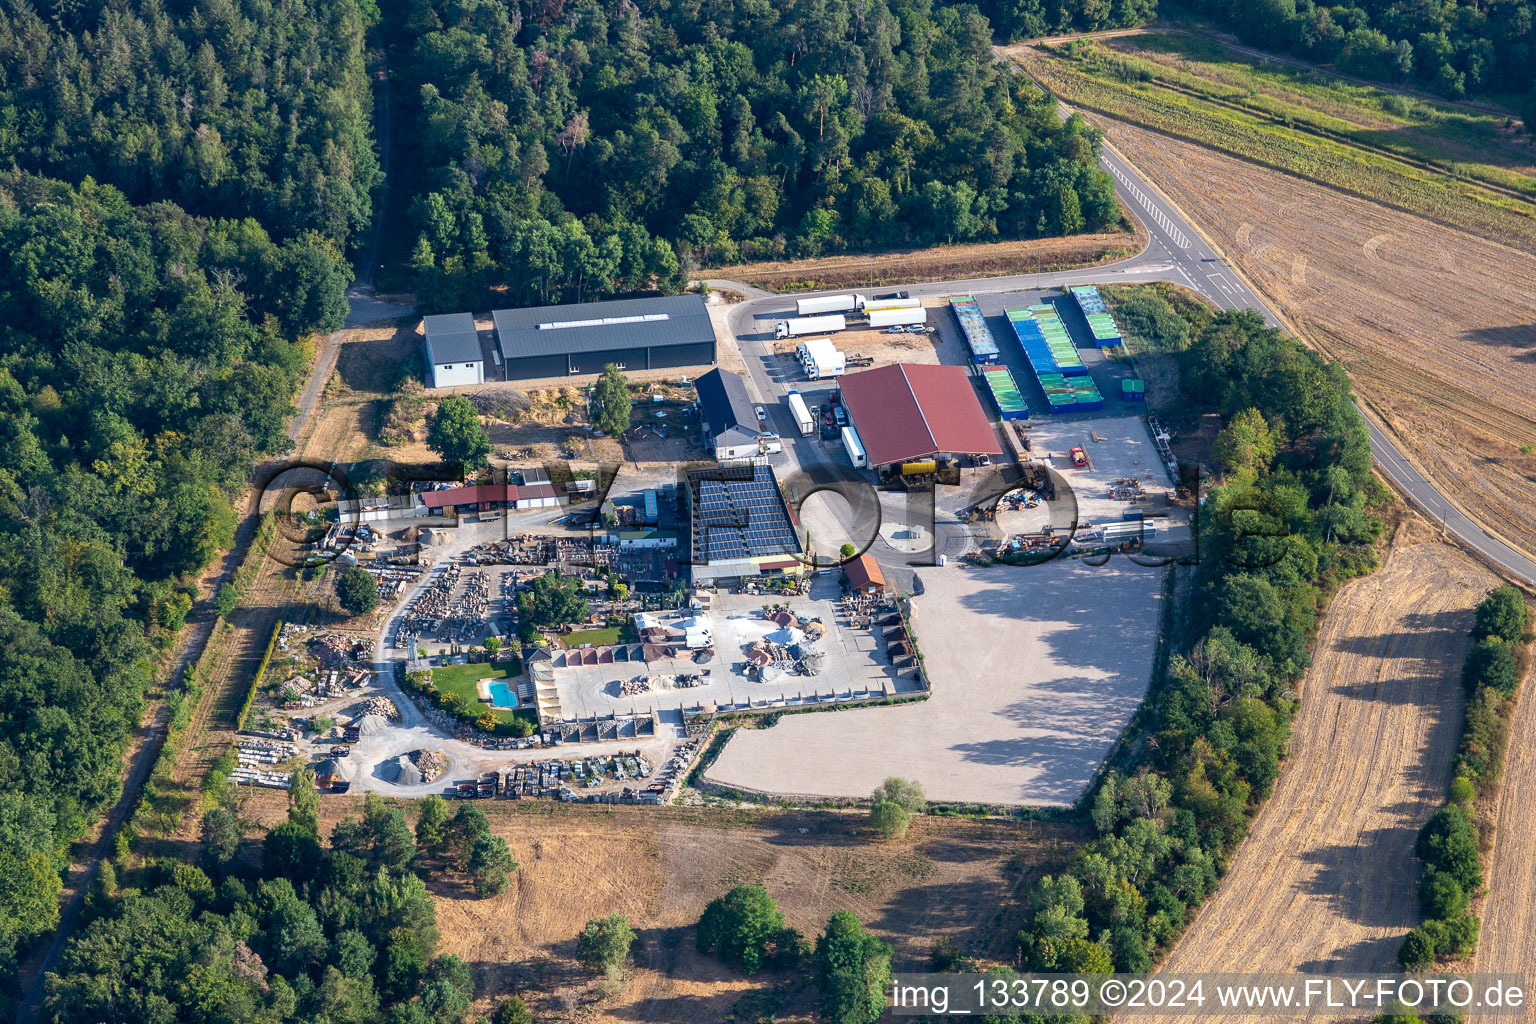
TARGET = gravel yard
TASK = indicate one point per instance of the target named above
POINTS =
(1035, 673)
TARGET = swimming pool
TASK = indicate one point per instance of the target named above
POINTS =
(501, 694)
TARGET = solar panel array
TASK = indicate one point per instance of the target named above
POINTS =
(738, 516)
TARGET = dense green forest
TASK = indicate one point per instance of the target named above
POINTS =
(146, 361)
(1286, 525)
(344, 934)
(229, 108)
(1457, 48)
(1031, 19)
(592, 147)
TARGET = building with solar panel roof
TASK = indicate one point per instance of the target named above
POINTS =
(740, 525)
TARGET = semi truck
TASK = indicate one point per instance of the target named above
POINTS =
(804, 421)
(829, 304)
(820, 358)
(898, 317)
(801, 326)
(855, 448)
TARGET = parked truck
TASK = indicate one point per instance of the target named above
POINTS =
(801, 326)
(898, 317)
(804, 421)
(855, 447)
(902, 301)
(820, 358)
(829, 304)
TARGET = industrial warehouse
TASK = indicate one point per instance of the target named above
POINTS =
(669, 332)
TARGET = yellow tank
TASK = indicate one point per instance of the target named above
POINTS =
(924, 466)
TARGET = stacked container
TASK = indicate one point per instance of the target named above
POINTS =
(973, 327)
(1133, 390)
(1106, 333)
(1051, 355)
(1005, 392)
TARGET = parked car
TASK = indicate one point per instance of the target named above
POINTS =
(892, 295)
(1079, 457)
(842, 417)
(762, 415)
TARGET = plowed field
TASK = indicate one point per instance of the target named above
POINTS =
(1437, 327)
(1326, 881)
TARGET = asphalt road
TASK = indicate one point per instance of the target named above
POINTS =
(1175, 252)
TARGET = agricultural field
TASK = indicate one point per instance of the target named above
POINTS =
(950, 877)
(1435, 326)
(1326, 880)
(1464, 169)
(1508, 940)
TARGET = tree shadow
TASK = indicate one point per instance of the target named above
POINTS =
(1521, 337)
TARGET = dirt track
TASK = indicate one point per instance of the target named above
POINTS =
(1508, 940)
(1437, 327)
(940, 263)
(1327, 879)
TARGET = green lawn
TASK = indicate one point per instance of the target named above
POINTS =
(598, 637)
(461, 679)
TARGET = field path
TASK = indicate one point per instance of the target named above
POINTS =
(1508, 940)
(1326, 880)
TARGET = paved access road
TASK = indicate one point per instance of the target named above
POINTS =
(1174, 252)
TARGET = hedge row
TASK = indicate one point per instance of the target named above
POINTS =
(261, 671)
(1448, 842)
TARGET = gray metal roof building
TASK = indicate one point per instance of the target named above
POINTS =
(453, 352)
(579, 338)
(452, 338)
(729, 418)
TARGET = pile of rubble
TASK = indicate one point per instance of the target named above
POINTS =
(634, 687)
(332, 649)
(377, 705)
(431, 763)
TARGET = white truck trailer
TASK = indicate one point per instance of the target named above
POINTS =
(801, 326)
(820, 358)
(855, 447)
(804, 421)
(893, 303)
(898, 317)
(829, 304)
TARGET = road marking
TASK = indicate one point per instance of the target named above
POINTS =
(1163, 221)
(1220, 281)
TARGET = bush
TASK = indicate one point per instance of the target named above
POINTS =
(1441, 896)
(890, 819)
(1463, 792)
(1501, 615)
(226, 599)
(604, 944)
(1491, 663)
(1418, 949)
(1448, 843)
(742, 927)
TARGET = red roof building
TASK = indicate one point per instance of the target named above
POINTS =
(486, 494)
(864, 575)
(910, 411)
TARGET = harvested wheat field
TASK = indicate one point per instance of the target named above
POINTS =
(960, 878)
(1508, 940)
(1437, 327)
(1327, 881)
(940, 263)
